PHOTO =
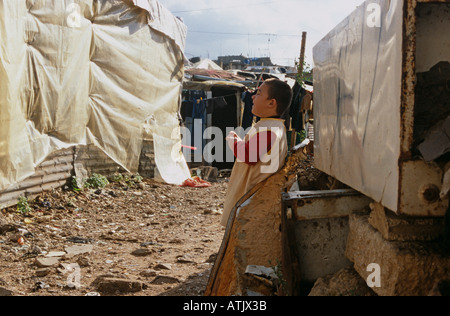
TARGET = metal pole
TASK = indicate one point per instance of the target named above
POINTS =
(300, 73)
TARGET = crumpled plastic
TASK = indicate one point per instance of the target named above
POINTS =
(100, 72)
(196, 182)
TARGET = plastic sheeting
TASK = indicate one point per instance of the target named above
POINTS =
(357, 100)
(77, 72)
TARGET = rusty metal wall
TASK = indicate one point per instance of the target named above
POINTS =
(51, 174)
(90, 159)
(81, 161)
(147, 163)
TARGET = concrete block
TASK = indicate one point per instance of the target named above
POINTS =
(395, 268)
(405, 228)
(346, 282)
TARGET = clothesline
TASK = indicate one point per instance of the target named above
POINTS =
(213, 98)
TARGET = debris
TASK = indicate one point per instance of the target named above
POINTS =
(46, 262)
(21, 241)
(142, 223)
(186, 258)
(42, 272)
(196, 182)
(224, 173)
(212, 258)
(78, 250)
(162, 279)
(213, 212)
(80, 240)
(150, 243)
(260, 280)
(445, 183)
(437, 141)
(113, 285)
(149, 273)
(55, 254)
(7, 229)
(112, 193)
(261, 271)
(432, 105)
(142, 252)
(345, 282)
(40, 286)
(207, 173)
(28, 221)
(35, 250)
(163, 266)
(441, 288)
(5, 292)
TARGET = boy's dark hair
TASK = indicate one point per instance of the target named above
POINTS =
(282, 92)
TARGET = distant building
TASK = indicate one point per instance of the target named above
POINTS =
(240, 62)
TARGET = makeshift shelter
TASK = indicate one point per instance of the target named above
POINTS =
(94, 72)
(214, 103)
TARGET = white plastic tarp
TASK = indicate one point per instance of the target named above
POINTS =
(76, 72)
(357, 96)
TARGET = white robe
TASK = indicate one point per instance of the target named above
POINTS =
(244, 176)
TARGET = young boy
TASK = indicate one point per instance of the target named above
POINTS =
(263, 150)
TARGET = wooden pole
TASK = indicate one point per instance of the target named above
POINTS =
(300, 73)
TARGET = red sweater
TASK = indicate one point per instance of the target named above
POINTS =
(256, 147)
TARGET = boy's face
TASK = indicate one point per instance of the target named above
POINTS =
(263, 106)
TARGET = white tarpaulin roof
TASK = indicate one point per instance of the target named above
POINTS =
(207, 64)
(92, 71)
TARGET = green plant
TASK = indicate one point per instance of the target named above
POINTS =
(22, 206)
(96, 181)
(132, 179)
(74, 183)
(304, 74)
(116, 177)
(137, 178)
(303, 135)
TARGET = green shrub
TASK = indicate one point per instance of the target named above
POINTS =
(116, 177)
(96, 181)
(74, 183)
(129, 179)
(22, 206)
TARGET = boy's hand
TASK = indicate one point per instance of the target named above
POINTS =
(232, 136)
(231, 139)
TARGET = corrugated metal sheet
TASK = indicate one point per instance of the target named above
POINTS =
(81, 161)
(51, 174)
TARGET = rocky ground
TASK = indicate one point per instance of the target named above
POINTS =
(133, 237)
(128, 238)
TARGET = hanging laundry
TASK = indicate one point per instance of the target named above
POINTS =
(216, 103)
(295, 110)
(247, 119)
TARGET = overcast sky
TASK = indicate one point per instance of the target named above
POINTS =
(261, 28)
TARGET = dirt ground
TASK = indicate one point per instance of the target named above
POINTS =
(142, 239)
(130, 238)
